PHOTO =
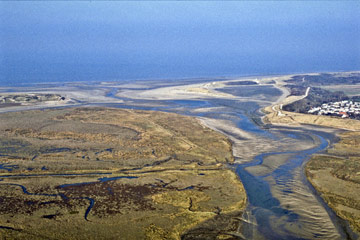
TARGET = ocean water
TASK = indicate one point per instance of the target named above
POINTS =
(51, 41)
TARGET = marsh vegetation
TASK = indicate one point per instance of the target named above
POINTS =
(89, 173)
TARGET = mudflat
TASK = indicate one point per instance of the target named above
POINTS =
(100, 173)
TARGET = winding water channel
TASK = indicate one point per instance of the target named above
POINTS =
(269, 162)
(281, 202)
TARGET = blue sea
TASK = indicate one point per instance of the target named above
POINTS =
(52, 41)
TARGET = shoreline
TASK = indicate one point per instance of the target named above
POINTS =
(191, 78)
(194, 88)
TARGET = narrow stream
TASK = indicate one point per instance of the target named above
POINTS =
(63, 196)
(25, 191)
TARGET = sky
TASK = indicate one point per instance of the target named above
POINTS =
(90, 40)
